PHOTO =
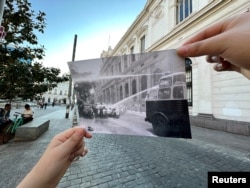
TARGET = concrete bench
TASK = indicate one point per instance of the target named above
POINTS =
(32, 130)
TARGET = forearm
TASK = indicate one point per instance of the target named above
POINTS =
(46, 173)
(60, 153)
(34, 179)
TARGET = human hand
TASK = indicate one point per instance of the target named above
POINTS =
(60, 153)
(225, 43)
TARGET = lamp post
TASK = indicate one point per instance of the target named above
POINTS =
(70, 81)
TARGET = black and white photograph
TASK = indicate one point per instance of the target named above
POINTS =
(136, 94)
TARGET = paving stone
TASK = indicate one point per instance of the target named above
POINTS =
(131, 161)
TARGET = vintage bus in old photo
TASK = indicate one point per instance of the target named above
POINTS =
(167, 107)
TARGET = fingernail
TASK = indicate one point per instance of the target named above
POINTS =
(219, 67)
(84, 153)
(214, 58)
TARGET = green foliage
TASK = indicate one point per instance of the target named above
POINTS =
(21, 73)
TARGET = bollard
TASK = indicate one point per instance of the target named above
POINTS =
(67, 112)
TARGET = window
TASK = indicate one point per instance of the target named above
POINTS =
(164, 93)
(188, 63)
(132, 54)
(143, 44)
(120, 67)
(126, 90)
(121, 93)
(133, 87)
(166, 82)
(112, 70)
(178, 92)
(144, 86)
(184, 9)
(153, 94)
(125, 61)
(61, 92)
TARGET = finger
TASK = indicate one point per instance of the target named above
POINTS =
(208, 32)
(68, 133)
(85, 151)
(87, 134)
(223, 66)
(78, 153)
(212, 59)
(71, 144)
(211, 46)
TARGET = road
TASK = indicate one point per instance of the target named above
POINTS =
(129, 123)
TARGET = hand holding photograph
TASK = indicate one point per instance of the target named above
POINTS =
(137, 94)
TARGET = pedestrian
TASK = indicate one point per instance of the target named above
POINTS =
(42, 105)
(45, 105)
(227, 43)
(5, 115)
(27, 114)
(53, 104)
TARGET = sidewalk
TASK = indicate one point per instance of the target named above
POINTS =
(132, 161)
(17, 158)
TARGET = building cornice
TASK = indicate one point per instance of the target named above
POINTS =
(194, 19)
(138, 21)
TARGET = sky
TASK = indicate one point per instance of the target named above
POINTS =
(97, 24)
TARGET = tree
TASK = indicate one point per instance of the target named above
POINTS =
(84, 91)
(21, 71)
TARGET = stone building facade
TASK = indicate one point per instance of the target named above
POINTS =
(216, 100)
(58, 94)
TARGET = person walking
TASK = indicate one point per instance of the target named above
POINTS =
(45, 105)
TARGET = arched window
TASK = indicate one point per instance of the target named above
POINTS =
(144, 86)
(188, 64)
(108, 96)
(134, 87)
(121, 93)
(126, 90)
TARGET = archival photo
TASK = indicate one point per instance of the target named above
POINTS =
(141, 94)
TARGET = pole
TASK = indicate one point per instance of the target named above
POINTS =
(73, 59)
(2, 3)
(70, 80)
